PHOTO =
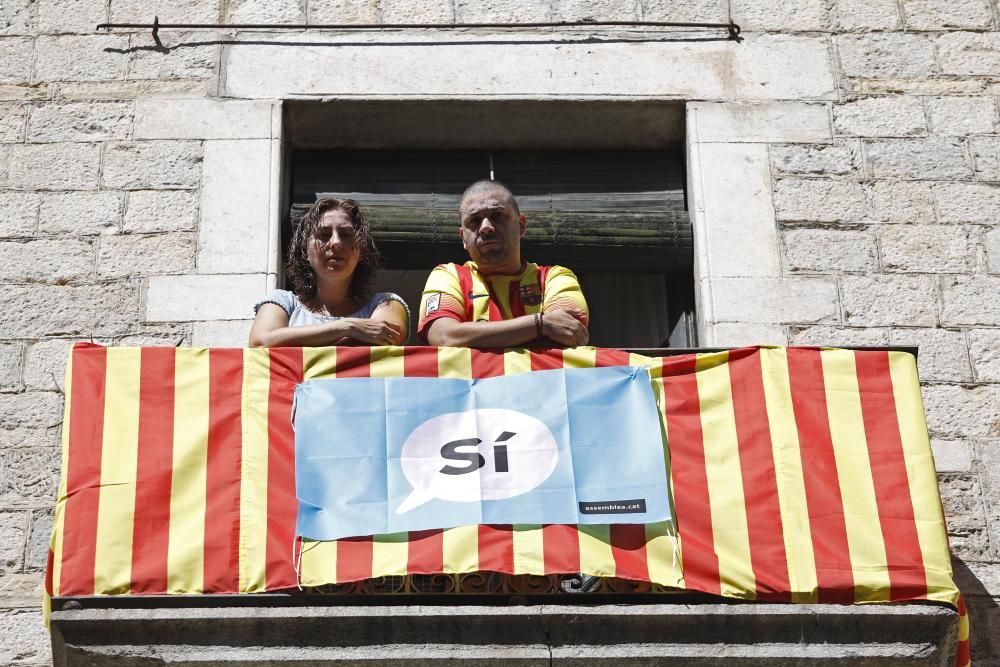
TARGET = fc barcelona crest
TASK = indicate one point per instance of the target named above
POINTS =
(530, 295)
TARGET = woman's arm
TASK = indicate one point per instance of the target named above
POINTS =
(394, 314)
(270, 329)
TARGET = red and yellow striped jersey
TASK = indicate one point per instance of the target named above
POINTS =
(461, 292)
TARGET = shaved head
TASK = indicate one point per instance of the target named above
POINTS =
(486, 185)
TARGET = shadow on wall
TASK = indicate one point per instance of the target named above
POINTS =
(984, 613)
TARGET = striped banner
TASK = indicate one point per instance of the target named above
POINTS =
(798, 475)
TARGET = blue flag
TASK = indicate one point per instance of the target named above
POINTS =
(388, 455)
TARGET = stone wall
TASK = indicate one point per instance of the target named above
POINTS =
(845, 187)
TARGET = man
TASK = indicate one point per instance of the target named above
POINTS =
(498, 299)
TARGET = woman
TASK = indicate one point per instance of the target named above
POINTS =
(331, 263)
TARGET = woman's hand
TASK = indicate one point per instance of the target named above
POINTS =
(370, 331)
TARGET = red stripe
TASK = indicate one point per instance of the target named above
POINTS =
(426, 552)
(222, 474)
(420, 361)
(49, 562)
(834, 576)
(354, 362)
(963, 655)
(760, 487)
(514, 299)
(286, 371)
(611, 358)
(464, 274)
(83, 470)
(154, 471)
(544, 360)
(354, 559)
(561, 548)
(628, 548)
(496, 548)
(687, 470)
(907, 577)
(487, 363)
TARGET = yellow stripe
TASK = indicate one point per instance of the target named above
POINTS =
(186, 546)
(596, 556)
(516, 361)
(461, 549)
(724, 476)
(319, 563)
(963, 626)
(253, 482)
(920, 471)
(386, 362)
(390, 554)
(59, 517)
(580, 357)
(663, 554)
(455, 362)
(857, 488)
(529, 550)
(318, 362)
(789, 477)
(119, 454)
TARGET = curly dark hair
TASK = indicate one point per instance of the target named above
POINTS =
(297, 266)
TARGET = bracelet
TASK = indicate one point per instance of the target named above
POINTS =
(538, 325)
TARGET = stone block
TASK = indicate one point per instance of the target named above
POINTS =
(991, 245)
(23, 92)
(977, 203)
(815, 160)
(276, 11)
(864, 15)
(596, 10)
(13, 537)
(145, 254)
(739, 334)
(943, 355)
(947, 14)
(46, 261)
(24, 639)
(955, 410)
(880, 117)
(901, 202)
(831, 336)
(29, 420)
(45, 364)
(188, 55)
(15, 59)
(71, 310)
(760, 123)
(80, 213)
(819, 200)
(516, 11)
(70, 16)
(154, 165)
(12, 123)
(775, 300)
(960, 116)
(951, 455)
(426, 11)
(766, 16)
(734, 184)
(235, 207)
(29, 476)
(343, 11)
(935, 158)
(21, 590)
(18, 17)
(10, 366)
(131, 90)
(876, 301)
(80, 121)
(969, 53)
(161, 211)
(230, 333)
(961, 497)
(986, 153)
(926, 249)
(984, 348)
(202, 119)
(169, 11)
(18, 214)
(54, 166)
(38, 541)
(970, 300)
(80, 57)
(828, 251)
(886, 56)
(197, 298)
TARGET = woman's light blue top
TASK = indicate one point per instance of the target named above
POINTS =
(299, 315)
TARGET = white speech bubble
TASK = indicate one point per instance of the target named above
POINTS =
(441, 458)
